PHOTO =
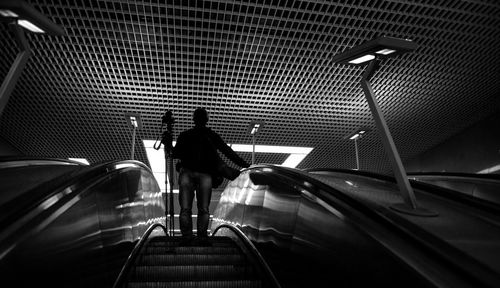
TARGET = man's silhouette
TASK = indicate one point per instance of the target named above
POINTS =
(196, 148)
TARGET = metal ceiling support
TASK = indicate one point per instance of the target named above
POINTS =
(17, 67)
(410, 205)
(371, 52)
(254, 128)
(134, 119)
(22, 14)
(357, 153)
(356, 135)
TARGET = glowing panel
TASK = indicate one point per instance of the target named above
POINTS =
(157, 157)
(81, 160)
(30, 26)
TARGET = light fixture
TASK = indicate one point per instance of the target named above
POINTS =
(372, 52)
(358, 133)
(28, 17)
(21, 14)
(254, 128)
(377, 48)
(8, 13)
(355, 135)
(134, 120)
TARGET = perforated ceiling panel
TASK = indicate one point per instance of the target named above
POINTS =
(243, 61)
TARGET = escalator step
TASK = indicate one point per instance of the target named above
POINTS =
(175, 241)
(191, 259)
(191, 272)
(190, 250)
(198, 284)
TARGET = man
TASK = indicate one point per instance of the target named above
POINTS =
(196, 148)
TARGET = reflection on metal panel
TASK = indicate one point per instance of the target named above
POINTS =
(19, 177)
(84, 237)
(320, 245)
(486, 187)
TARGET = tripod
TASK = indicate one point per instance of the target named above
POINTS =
(166, 139)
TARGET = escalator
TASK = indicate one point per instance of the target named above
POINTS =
(472, 191)
(480, 186)
(65, 224)
(225, 261)
(98, 226)
(327, 228)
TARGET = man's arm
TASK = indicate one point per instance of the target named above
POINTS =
(228, 151)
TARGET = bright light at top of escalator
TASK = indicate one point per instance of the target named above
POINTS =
(81, 160)
(156, 157)
(124, 165)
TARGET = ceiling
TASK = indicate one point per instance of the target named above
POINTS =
(259, 60)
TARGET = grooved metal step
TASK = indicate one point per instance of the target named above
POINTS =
(192, 272)
(199, 284)
(190, 259)
(191, 250)
(164, 262)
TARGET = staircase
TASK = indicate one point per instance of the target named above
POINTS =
(164, 262)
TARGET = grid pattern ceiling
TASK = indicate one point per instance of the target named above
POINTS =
(244, 61)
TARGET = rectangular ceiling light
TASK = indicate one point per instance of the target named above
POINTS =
(8, 13)
(355, 136)
(357, 133)
(255, 127)
(382, 46)
(385, 51)
(30, 26)
(28, 17)
(362, 59)
(134, 119)
(491, 169)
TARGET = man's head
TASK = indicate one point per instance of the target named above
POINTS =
(200, 116)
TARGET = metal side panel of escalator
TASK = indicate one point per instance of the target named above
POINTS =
(480, 186)
(340, 229)
(73, 225)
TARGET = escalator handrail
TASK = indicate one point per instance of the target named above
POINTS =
(53, 198)
(253, 250)
(449, 194)
(387, 218)
(475, 176)
(25, 203)
(17, 161)
(119, 282)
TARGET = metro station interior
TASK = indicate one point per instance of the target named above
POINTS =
(371, 128)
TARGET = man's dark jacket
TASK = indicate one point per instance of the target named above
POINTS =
(197, 147)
